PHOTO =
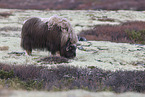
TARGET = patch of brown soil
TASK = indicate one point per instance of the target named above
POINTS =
(4, 48)
(53, 60)
(5, 14)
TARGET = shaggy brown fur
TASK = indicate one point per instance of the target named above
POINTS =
(37, 34)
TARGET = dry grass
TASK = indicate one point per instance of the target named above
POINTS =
(7, 29)
(106, 19)
(5, 14)
(4, 48)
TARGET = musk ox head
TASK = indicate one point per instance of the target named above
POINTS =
(68, 50)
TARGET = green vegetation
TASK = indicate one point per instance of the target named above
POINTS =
(127, 32)
(7, 79)
(6, 74)
(16, 83)
(137, 36)
(69, 77)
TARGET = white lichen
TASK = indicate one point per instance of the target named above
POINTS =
(105, 55)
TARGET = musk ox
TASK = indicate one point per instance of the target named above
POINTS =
(53, 34)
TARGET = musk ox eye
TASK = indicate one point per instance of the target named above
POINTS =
(71, 48)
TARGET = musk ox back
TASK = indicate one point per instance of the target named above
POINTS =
(54, 34)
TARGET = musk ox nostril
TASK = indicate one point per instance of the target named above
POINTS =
(54, 34)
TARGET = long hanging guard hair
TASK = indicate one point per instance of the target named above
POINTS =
(66, 28)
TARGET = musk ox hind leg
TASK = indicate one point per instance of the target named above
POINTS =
(28, 33)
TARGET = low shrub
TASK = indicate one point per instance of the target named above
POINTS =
(130, 32)
(6, 74)
(70, 77)
(137, 36)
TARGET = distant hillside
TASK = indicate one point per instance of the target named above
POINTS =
(74, 4)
